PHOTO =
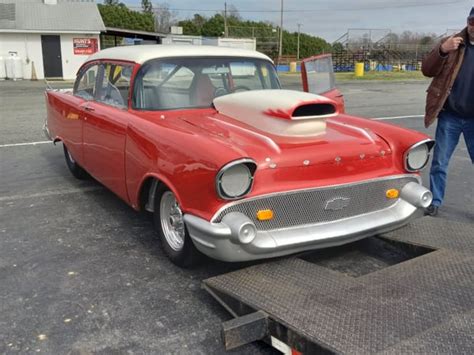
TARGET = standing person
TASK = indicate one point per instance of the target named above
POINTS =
(450, 98)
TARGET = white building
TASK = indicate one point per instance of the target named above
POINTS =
(242, 43)
(54, 36)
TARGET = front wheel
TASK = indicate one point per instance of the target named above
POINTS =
(174, 237)
(76, 170)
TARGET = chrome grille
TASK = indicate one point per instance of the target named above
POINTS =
(297, 208)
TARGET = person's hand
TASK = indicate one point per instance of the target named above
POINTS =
(451, 44)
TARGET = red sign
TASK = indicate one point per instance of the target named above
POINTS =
(85, 46)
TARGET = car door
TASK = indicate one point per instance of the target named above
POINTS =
(69, 109)
(318, 77)
(105, 127)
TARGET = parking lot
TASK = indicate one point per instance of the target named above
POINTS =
(81, 272)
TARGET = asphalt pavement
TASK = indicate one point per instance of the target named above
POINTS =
(81, 272)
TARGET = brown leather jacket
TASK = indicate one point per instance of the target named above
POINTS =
(444, 71)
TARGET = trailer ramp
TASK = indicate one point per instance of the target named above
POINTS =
(408, 291)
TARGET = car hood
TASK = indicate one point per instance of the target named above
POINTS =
(339, 143)
(251, 124)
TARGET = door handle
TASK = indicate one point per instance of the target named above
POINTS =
(88, 108)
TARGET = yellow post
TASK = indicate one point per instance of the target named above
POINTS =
(359, 69)
(292, 67)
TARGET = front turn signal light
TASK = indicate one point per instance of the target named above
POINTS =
(392, 193)
(264, 215)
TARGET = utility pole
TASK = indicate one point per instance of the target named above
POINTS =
(226, 31)
(280, 47)
(298, 43)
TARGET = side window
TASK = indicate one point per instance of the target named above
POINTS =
(163, 86)
(85, 83)
(115, 86)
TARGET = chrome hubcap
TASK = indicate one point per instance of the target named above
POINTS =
(172, 222)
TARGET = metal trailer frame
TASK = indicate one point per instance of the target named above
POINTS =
(418, 298)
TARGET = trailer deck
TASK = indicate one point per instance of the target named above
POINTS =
(408, 291)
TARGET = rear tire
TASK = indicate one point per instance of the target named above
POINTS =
(174, 236)
(76, 170)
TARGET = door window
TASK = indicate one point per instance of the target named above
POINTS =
(85, 83)
(319, 74)
(115, 85)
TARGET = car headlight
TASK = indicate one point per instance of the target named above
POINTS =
(235, 179)
(417, 156)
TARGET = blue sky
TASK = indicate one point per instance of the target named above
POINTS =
(331, 19)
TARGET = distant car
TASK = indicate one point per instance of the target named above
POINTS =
(230, 164)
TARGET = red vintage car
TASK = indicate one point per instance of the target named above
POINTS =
(231, 165)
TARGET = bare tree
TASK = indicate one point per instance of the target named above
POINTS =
(392, 37)
(164, 17)
(233, 12)
(147, 6)
(407, 37)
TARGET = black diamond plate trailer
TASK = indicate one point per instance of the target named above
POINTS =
(408, 291)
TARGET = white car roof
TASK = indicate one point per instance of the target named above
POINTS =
(142, 53)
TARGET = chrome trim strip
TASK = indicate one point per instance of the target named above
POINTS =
(223, 170)
(405, 155)
(393, 177)
(312, 117)
(46, 131)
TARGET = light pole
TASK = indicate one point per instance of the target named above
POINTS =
(226, 31)
(298, 43)
(280, 47)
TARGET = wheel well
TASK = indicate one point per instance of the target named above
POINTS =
(147, 193)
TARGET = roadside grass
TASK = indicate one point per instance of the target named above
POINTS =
(376, 75)
(383, 75)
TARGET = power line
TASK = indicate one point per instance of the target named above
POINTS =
(345, 9)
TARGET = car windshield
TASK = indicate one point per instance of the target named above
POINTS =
(176, 83)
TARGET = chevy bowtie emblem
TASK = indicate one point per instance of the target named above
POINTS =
(337, 203)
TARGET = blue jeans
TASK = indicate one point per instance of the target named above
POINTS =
(448, 131)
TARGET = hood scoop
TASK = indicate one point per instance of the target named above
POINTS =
(280, 112)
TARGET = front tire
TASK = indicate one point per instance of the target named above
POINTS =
(76, 170)
(174, 236)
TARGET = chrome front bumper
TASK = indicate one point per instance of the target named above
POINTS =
(235, 238)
